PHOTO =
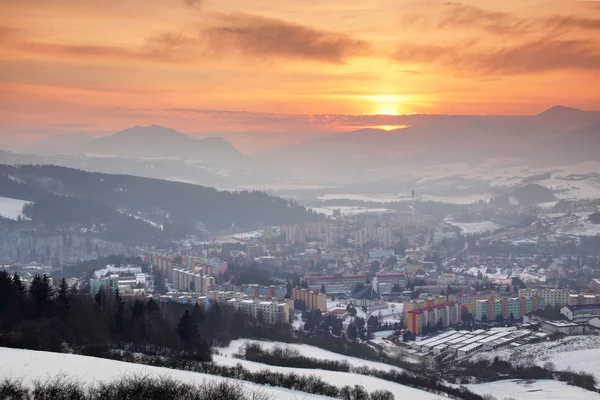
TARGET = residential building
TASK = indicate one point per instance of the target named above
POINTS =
(269, 312)
(552, 297)
(584, 298)
(438, 315)
(506, 308)
(314, 300)
(468, 300)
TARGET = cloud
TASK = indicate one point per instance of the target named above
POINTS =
(458, 15)
(268, 37)
(538, 55)
(193, 3)
(463, 16)
(230, 35)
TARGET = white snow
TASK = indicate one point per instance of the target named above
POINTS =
(578, 353)
(307, 351)
(31, 366)
(333, 377)
(532, 390)
(248, 235)
(12, 208)
(469, 228)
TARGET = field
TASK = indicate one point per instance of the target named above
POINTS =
(532, 390)
(32, 366)
(11, 208)
(335, 378)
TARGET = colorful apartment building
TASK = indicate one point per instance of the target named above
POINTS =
(506, 308)
(468, 300)
(584, 298)
(422, 303)
(552, 297)
(314, 300)
(277, 291)
(440, 315)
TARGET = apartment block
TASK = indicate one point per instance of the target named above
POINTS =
(552, 297)
(506, 308)
(444, 314)
(584, 298)
(314, 300)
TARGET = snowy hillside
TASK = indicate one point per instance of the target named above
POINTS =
(579, 353)
(12, 208)
(333, 377)
(32, 365)
(532, 390)
(306, 351)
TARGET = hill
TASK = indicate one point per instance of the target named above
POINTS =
(160, 142)
(32, 366)
(144, 210)
(431, 140)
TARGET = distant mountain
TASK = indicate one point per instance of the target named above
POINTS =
(437, 140)
(568, 118)
(160, 142)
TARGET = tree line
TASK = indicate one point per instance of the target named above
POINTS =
(45, 317)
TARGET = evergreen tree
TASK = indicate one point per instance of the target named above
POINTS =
(186, 329)
(64, 298)
(352, 333)
(323, 290)
(42, 295)
(19, 286)
(288, 292)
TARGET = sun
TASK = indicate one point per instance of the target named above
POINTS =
(387, 104)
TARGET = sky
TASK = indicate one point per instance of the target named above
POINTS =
(295, 68)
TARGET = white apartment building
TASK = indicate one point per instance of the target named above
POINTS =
(270, 312)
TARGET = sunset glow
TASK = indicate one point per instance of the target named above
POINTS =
(223, 66)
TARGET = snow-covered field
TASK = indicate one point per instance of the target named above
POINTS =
(32, 366)
(469, 228)
(12, 208)
(333, 377)
(306, 351)
(578, 353)
(532, 390)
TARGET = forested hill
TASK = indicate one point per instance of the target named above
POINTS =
(64, 195)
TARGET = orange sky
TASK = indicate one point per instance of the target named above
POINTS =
(99, 66)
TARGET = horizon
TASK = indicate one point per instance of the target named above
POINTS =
(246, 141)
(299, 69)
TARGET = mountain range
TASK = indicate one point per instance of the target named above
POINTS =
(557, 136)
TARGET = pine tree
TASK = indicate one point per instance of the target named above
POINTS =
(323, 290)
(186, 329)
(42, 295)
(64, 298)
(352, 334)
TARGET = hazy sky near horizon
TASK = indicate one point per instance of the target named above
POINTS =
(99, 66)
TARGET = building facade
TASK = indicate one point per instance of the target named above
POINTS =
(552, 297)
(438, 315)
